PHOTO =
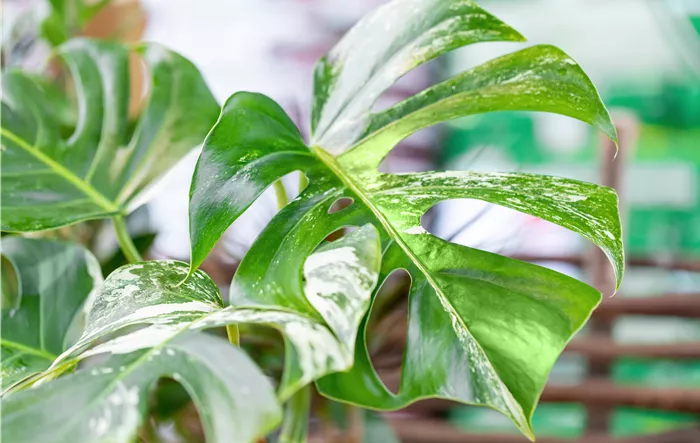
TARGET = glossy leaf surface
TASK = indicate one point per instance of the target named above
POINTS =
(55, 280)
(109, 402)
(483, 329)
(149, 293)
(100, 170)
(382, 47)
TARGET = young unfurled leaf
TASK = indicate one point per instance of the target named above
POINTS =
(107, 403)
(483, 329)
(55, 280)
(50, 180)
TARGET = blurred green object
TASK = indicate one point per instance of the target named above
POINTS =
(628, 422)
(695, 20)
(564, 420)
(377, 430)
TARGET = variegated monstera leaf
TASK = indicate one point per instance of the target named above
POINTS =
(45, 285)
(61, 167)
(109, 398)
(483, 329)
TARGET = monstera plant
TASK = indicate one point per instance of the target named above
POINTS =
(483, 329)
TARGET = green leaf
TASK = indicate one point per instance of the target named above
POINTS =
(540, 78)
(340, 278)
(55, 279)
(382, 47)
(483, 329)
(101, 169)
(109, 402)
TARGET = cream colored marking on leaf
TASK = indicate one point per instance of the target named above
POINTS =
(148, 337)
(339, 286)
(415, 230)
(150, 313)
(118, 419)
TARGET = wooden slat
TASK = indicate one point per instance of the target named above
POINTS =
(418, 430)
(412, 430)
(605, 393)
(604, 349)
(595, 349)
(679, 305)
(601, 392)
(675, 263)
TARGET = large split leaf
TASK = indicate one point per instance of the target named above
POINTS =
(99, 170)
(340, 278)
(483, 329)
(107, 403)
(54, 279)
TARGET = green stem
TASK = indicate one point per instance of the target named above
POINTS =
(281, 195)
(127, 246)
(295, 426)
(234, 335)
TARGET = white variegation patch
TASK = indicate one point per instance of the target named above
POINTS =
(145, 338)
(340, 279)
(118, 418)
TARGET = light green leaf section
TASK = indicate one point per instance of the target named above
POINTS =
(540, 78)
(54, 279)
(382, 47)
(107, 403)
(585, 208)
(100, 170)
(149, 293)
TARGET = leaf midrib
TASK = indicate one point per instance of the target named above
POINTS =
(330, 162)
(64, 172)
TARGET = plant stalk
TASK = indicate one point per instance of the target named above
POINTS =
(295, 426)
(125, 243)
(234, 335)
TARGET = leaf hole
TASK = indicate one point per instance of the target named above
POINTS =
(242, 233)
(11, 285)
(340, 204)
(498, 229)
(388, 326)
(415, 153)
(169, 399)
(338, 233)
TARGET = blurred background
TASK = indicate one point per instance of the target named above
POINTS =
(633, 375)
